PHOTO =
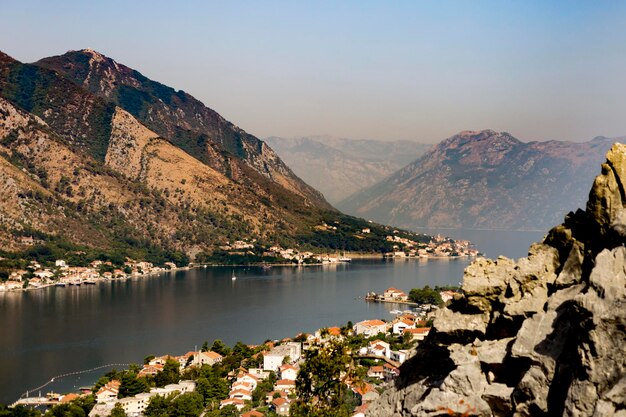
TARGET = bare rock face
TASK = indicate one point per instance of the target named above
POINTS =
(543, 336)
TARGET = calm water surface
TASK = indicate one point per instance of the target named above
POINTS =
(56, 330)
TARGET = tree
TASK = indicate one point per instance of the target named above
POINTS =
(169, 375)
(86, 403)
(219, 347)
(425, 295)
(320, 385)
(189, 404)
(131, 385)
(118, 411)
(205, 346)
(65, 410)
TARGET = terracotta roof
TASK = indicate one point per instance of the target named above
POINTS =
(419, 330)
(372, 323)
(212, 355)
(279, 401)
(69, 397)
(334, 331)
(377, 368)
(285, 382)
(253, 413)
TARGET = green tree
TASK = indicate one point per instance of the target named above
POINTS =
(19, 411)
(320, 385)
(118, 411)
(131, 385)
(219, 347)
(190, 404)
(169, 375)
(425, 295)
(65, 410)
(86, 403)
(205, 346)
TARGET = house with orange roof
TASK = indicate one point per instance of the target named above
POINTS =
(394, 294)
(108, 392)
(239, 404)
(378, 348)
(288, 371)
(280, 406)
(370, 328)
(366, 393)
(376, 372)
(391, 372)
(208, 358)
(419, 333)
(150, 370)
(286, 385)
(401, 324)
(241, 394)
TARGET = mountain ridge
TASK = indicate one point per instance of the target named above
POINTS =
(339, 167)
(104, 179)
(483, 180)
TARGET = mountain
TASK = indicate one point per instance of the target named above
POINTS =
(543, 336)
(340, 167)
(484, 179)
(94, 155)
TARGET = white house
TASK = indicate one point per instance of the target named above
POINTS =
(135, 406)
(370, 328)
(208, 358)
(419, 333)
(239, 404)
(400, 325)
(398, 355)
(241, 394)
(286, 385)
(379, 348)
(289, 372)
(274, 358)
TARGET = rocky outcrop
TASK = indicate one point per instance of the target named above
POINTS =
(543, 336)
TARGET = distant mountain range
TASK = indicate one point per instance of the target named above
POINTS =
(94, 153)
(485, 179)
(339, 167)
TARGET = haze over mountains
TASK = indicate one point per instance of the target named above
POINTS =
(485, 180)
(95, 153)
(339, 167)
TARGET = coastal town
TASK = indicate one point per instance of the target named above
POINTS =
(257, 380)
(36, 274)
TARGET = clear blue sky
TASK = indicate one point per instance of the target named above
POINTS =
(420, 70)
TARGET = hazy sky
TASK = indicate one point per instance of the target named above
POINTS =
(420, 70)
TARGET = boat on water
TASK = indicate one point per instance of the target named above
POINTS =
(395, 312)
(344, 259)
(89, 282)
(234, 277)
(60, 284)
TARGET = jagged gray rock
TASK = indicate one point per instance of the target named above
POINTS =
(543, 336)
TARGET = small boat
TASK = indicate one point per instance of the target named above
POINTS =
(395, 312)
(89, 282)
(234, 277)
(345, 259)
(60, 284)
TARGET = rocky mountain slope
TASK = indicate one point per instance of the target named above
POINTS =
(485, 180)
(543, 336)
(340, 167)
(94, 154)
(182, 119)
